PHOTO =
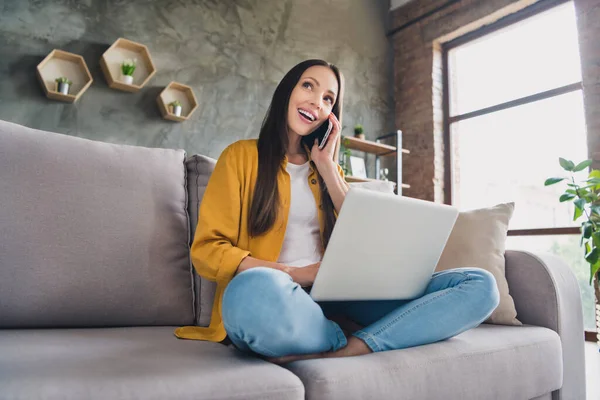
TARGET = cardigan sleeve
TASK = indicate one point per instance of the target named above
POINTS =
(214, 252)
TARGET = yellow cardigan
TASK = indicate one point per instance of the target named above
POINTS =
(222, 239)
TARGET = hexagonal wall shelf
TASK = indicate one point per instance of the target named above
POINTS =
(63, 64)
(120, 51)
(184, 94)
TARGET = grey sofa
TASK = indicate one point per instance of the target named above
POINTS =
(95, 276)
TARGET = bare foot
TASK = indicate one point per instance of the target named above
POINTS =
(355, 347)
(290, 358)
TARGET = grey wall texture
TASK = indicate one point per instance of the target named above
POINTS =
(231, 52)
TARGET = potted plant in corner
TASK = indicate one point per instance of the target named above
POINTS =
(175, 108)
(63, 84)
(127, 69)
(358, 132)
(586, 198)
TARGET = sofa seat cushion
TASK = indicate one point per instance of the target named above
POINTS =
(488, 362)
(133, 363)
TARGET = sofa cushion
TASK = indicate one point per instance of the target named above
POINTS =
(199, 169)
(478, 239)
(488, 362)
(133, 363)
(91, 233)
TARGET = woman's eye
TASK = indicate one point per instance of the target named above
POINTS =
(330, 99)
(307, 83)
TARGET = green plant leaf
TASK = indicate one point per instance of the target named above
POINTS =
(587, 248)
(594, 270)
(566, 197)
(582, 165)
(593, 181)
(586, 229)
(590, 197)
(567, 165)
(595, 174)
(596, 238)
(572, 191)
(579, 204)
(592, 256)
(552, 181)
(595, 210)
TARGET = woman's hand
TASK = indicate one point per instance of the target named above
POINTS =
(304, 276)
(323, 158)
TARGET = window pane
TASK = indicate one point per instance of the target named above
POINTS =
(507, 155)
(567, 248)
(532, 56)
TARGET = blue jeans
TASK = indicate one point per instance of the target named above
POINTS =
(264, 311)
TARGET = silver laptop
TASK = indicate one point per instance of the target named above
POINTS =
(383, 247)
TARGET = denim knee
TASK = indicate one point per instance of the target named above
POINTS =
(254, 294)
(488, 295)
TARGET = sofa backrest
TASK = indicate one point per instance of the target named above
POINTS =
(92, 234)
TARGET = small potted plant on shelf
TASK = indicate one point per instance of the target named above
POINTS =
(127, 69)
(63, 84)
(175, 108)
(358, 132)
(344, 159)
(586, 199)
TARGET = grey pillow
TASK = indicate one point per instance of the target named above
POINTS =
(92, 234)
(199, 168)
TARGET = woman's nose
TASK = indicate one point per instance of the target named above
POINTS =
(317, 103)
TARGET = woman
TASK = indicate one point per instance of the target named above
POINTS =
(264, 222)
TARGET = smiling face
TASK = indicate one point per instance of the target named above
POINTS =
(312, 100)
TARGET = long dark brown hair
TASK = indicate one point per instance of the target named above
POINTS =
(272, 147)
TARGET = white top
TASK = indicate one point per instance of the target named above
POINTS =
(302, 240)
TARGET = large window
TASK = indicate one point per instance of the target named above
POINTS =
(513, 106)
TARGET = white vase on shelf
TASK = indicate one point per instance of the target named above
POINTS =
(128, 79)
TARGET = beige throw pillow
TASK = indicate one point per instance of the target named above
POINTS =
(478, 239)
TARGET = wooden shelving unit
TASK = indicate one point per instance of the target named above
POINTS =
(177, 91)
(72, 66)
(121, 50)
(379, 150)
(368, 146)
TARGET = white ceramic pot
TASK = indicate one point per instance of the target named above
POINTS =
(63, 87)
(177, 111)
(128, 79)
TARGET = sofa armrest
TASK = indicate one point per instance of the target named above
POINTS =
(546, 294)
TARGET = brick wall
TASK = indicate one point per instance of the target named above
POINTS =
(418, 78)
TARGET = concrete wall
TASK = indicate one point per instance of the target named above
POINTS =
(232, 52)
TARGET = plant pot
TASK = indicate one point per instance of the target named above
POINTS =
(128, 79)
(360, 136)
(63, 87)
(177, 111)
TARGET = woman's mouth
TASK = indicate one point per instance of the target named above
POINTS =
(305, 116)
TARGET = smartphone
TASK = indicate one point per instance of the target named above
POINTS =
(321, 133)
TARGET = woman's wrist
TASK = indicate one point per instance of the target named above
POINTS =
(328, 167)
(251, 262)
